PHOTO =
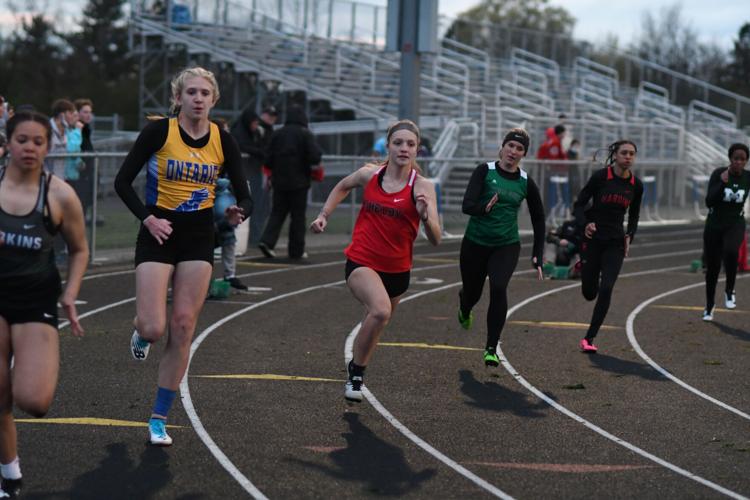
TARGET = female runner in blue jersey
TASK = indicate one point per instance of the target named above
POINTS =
(184, 156)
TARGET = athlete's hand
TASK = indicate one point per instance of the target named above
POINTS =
(160, 229)
(491, 203)
(725, 176)
(69, 307)
(539, 270)
(589, 230)
(422, 206)
(627, 244)
(234, 215)
(319, 224)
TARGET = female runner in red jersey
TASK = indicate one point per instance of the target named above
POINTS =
(379, 258)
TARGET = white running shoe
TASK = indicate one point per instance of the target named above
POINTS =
(730, 300)
(139, 347)
(157, 429)
(708, 315)
(353, 387)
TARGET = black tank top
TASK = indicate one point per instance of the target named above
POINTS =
(27, 262)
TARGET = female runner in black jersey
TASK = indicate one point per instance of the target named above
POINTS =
(614, 190)
(184, 157)
(34, 206)
(727, 191)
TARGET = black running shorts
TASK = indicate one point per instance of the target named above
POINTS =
(395, 284)
(44, 311)
(192, 238)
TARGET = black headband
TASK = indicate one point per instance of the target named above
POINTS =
(515, 136)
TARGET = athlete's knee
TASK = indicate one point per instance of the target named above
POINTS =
(36, 405)
(589, 292)
(151, 330)
(182, 324)
(381, 313)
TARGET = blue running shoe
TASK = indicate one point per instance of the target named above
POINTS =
(157, 429)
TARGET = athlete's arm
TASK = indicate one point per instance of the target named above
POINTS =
(536, 211)
(340, 191)
(715, 188)
(471, 204)
(235, 172)
(634, 211)
(424, 194)
(149, 141)
(64, 201)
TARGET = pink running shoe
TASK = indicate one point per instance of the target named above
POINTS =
(587, 346)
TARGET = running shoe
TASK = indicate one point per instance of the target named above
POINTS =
(465, 321)
(267, 251)
(11, 488)
(353, 388)
(730, 300)
(157, 429)
(139, 347)
(708, 314)
(235, 282)
(587, 346)
(490, 358)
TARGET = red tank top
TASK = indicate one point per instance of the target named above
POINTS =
(386, 227)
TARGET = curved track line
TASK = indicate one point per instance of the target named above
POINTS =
(519, 378)
(449, 462)
(187, 401)
(631, 337)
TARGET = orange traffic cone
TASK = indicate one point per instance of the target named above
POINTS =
(742, 260)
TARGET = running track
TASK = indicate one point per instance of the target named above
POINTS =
(662, 410)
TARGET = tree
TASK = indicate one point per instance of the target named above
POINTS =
(672, 42)
(738, 70)
(494, 25)
(32, 68)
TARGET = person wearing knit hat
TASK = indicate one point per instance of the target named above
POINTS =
(491, 243)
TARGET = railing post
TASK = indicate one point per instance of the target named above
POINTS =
(94, 208)
(330, 19)
(354, 21)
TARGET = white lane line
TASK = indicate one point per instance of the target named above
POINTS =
(481, 482)
(187, 401)
(634, 342)
(449, 462)
(519, 378)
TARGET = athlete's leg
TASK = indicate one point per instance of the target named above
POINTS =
(591, 266)
(501, 265)
(712, 251)
(151, 283)
(731, 250)
(189, 288)
(368, 288)
(611, 263)
(8, 443)
(36, 353)
(473, 262)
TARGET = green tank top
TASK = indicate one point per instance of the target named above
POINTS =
(499, 227)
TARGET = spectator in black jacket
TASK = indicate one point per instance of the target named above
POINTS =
(290, 155)
(248, 133)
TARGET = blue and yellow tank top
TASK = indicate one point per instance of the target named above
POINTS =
(183, 178)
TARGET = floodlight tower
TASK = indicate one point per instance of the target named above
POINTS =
(411, 29)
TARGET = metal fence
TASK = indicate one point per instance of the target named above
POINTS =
(671, 195)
